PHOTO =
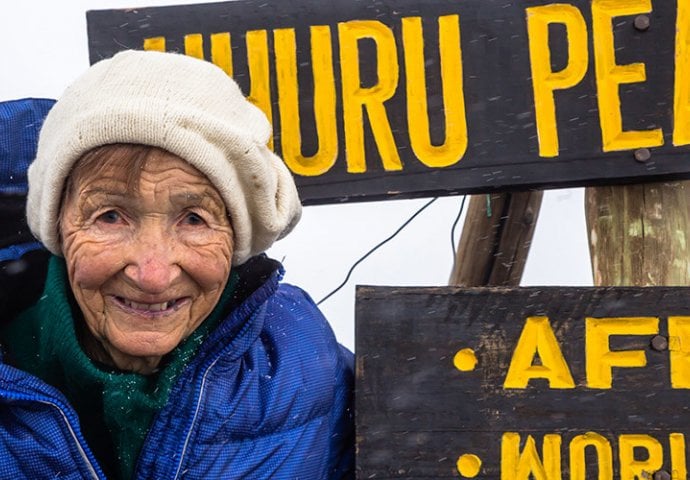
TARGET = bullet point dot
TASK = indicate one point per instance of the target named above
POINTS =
(465, 360)
(469, 465)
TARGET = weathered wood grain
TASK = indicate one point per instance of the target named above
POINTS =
(638, 234)
(496, 239)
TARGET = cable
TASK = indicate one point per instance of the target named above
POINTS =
(364, 257)
(455, 224)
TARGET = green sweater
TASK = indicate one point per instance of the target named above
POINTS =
(115, 408)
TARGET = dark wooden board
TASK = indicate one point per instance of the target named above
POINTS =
(416, 413)
(502, 139)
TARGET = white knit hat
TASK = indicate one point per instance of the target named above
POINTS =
(186, 106)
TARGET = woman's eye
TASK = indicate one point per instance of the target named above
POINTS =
(111, 217)
(193, 219)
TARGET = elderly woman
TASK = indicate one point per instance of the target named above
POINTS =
(163, 345)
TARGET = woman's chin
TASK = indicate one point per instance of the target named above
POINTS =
(145, 346)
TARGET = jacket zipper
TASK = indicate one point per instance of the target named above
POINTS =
(80, 447)
(68, 419)
(199, 396)
(202, 384)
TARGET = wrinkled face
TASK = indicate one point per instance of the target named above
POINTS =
(145, 266)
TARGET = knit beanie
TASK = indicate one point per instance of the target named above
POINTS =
(186, 106)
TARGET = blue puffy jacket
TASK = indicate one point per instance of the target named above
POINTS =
(268, 396)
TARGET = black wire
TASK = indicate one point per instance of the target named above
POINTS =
(455, 224)
(352, 268)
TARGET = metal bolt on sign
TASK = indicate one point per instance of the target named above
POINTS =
(641, 22)
(642, 154)
(659, 343)
(661, 475)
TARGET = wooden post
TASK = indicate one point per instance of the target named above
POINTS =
(638, 234)
(495, 239)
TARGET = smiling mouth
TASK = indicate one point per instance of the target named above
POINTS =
(151, 307)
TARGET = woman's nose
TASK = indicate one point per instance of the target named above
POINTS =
(152, 266)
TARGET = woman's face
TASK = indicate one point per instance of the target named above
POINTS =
(146, 267)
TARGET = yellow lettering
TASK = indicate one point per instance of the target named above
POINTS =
(257, 59)
(632, 469)
(679, 468)
(600, 359)
(528, 465)
(537, 338)
(221, 53)
(609, 76)
(452, 150)
(544, 80)
(681, 94)
(155, 44)
(679, 351)
(357, 98)
(324, 101)
(194, 45)
(578, 467)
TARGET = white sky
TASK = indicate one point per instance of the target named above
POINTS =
(45, 48)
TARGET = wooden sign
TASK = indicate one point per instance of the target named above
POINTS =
(517, 384)
(373, 99)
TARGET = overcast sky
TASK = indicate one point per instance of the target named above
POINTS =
(45, 47)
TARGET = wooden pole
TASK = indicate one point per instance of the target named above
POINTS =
(495, 239)
(638, 234)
